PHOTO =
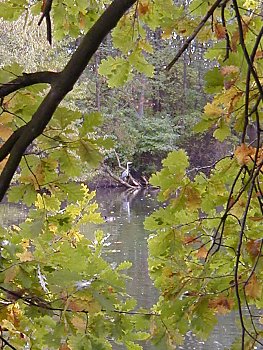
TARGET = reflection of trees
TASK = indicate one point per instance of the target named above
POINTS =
(128, 237)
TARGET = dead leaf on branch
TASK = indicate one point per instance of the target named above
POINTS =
(202, 253)
(220, 31)
(253, 247)
(253, 288)
(5, 132)
(246, 154)
(227, 70)
(143, 7)
(222, 304)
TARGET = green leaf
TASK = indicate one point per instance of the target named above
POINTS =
(116, 70)
(214, 81)
(89, 153)
(222, 132)
(139, 62)
(91, 121)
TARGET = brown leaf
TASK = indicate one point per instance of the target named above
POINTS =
(222, 304)
(143, 7)
(226, 70)
(193, 198)
(220, 31)
(5, 132)
(202, 253)
(244, 154)
(253, 247)
(259, 54)
(253, 289)
(79, 323)
(64, 346)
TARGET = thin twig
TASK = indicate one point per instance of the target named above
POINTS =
(194, 34)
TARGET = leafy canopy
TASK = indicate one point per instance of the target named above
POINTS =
(57, 291)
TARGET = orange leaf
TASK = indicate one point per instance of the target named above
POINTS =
(3, 163)
(64, 346)
(253, 288)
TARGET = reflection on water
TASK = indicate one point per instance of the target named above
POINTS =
(124, 213)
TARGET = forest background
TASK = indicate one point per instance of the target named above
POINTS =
(149, 98)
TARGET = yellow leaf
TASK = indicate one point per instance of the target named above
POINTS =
(25, 256)
(212, 109)
(167, 33)
(6, 118)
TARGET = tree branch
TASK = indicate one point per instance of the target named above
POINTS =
(62, 85)
(194, 34)
(27, 80)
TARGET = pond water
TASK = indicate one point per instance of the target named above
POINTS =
(125, 212)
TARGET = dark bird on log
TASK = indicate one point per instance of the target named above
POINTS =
(46, 8)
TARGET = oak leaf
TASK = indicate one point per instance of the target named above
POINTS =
(64, 346)
(220, 31)
(79, 323)
(244, 154)
(5, 132)
(202, 253)
(143, 7)
(226, 70)
(25, 256)
(222, 304)
(253, 247)
(253, 288)
(213, 110)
